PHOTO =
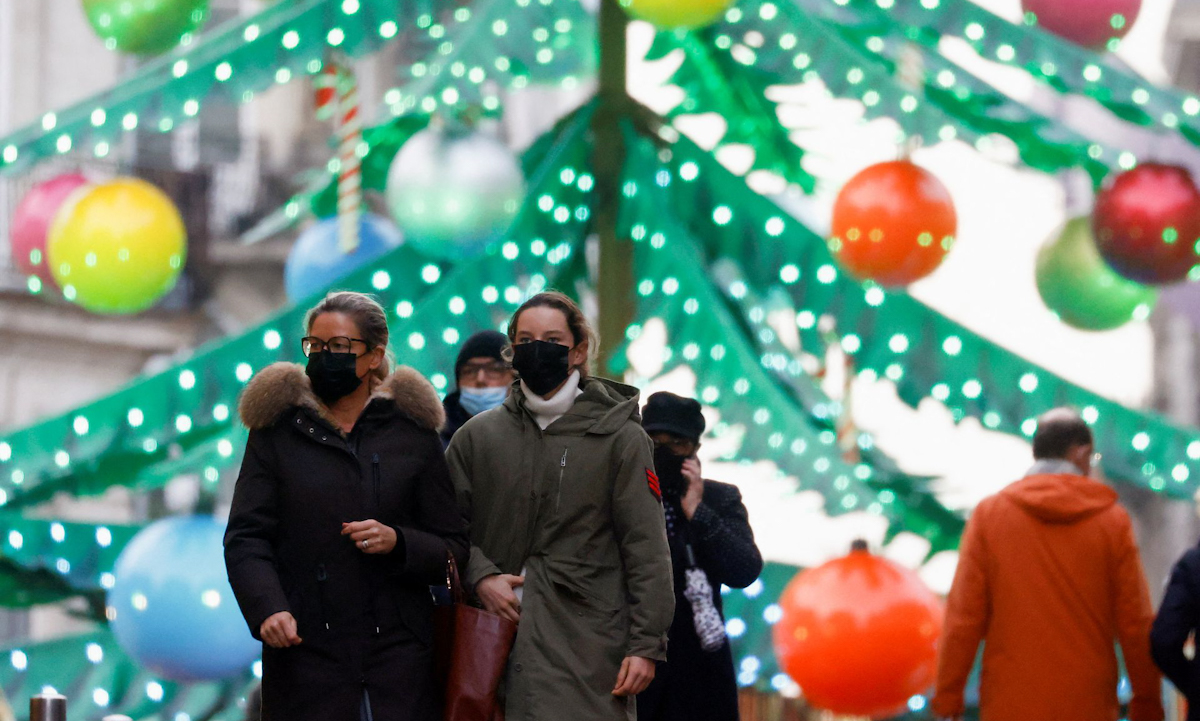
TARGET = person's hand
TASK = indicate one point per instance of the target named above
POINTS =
(636, 674)
(279, 630)
(695, 487)
(371, 536)
(496, 593)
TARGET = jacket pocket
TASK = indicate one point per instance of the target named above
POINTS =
(597, 587)
(415, 610)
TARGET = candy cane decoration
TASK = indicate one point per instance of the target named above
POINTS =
(350, 173)
(337, 96)
(325, 85)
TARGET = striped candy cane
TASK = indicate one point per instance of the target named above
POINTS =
(325, 86)
(337, 97)
(349, 130)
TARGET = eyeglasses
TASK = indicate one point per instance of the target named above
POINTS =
(338, 344)
(493, 370)
(677, 446)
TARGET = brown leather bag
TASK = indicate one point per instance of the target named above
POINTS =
(471, 652)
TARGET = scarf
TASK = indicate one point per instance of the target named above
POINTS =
(710, 628)
(546, 411)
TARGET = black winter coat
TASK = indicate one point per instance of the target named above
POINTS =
(694, 684)
(1178, 617)
(365, 620)
(456, 416)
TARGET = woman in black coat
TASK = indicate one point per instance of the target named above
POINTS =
(709, 532)
(1178, 618)
(342, 518)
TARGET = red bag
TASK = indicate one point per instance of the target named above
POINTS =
(470, 652)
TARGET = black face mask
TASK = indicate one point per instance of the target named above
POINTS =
(543, 366)
(669, 468)
(333, 375)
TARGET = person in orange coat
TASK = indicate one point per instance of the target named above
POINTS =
(1048, 579)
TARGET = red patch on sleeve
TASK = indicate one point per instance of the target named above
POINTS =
(652, 481)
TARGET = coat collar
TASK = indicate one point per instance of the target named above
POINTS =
(604, 408)
(281, 387)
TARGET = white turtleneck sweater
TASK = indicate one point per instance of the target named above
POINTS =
(546, 411)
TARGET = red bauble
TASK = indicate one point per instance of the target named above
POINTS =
(1147, 223)
(859, 635)
(893, 223)
(1090, 23)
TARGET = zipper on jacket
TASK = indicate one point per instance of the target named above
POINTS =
(322, 579)
(375, 476)
(562, 469)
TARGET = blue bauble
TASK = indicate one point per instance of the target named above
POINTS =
(171, 607)
(316, 261)
(454, 192)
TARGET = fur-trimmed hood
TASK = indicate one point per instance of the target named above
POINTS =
(280, 387)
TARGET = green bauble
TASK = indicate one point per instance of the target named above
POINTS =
(145, 27)
(454, 191)
(1076, 283)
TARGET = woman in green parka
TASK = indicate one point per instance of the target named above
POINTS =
(567, 529)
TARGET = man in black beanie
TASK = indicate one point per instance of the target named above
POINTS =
(483, 379)
(711, 545)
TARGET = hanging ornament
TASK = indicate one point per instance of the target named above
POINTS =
(454, 191)
(1095, 24)
(893, 223)
(1147, 223)
(31, 224)
(145, 27)
(1076, 283)
(859, 635)
(317, 261)
(117, 247)
(171, 607)
(688, 14)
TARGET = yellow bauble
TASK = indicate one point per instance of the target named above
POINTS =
(677, 13)
(117, 247)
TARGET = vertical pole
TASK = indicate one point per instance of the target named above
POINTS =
(48, 706)
(615, 286)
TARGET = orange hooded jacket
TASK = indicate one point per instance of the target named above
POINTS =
(1048, 579)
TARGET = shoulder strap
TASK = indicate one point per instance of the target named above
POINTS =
(453, 582)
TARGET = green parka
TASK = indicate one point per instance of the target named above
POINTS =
(577, 506)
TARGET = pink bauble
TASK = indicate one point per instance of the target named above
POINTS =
(31, 223)
(1090, 23)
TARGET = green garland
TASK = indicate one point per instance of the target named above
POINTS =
(188, 411)
(891, 335)
(765, 44)
(234, 61)
(764, 396)
(462, 51)
(1051, 60)
(714, 83)
(91, 668)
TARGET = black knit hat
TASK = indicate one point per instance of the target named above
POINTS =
(669, 413)
(484, 344)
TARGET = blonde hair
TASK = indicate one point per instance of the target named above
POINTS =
(577, 322)
(367, 314)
